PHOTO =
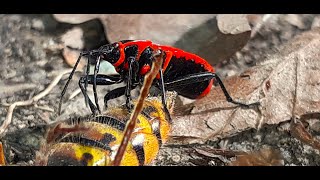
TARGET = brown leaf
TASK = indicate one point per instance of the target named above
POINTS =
(211, 152)
(287, 85)
(71, 56)
(155, 27)
(298, 131)
(212, 37)
(263, 157)
(295, 20)
(217, 39)
(195, 33)
(160, 28)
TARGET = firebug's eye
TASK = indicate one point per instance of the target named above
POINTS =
(103, 56)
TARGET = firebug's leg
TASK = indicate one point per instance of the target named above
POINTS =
(114, 94)
(69, 79)
(161, 80)
(132, 74)
(86, 82)
(101, 79)
(190, 79)
(205, 76)
(93, 108)
(96, 70)
(163, 96)
(229, 98)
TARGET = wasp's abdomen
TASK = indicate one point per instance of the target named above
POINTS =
(98, 139)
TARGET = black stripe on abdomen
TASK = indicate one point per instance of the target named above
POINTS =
(78, 139)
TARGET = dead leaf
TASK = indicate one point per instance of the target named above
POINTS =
(71, 57)
(295, 20)
(212, 37)
(210, 152)
(263, 157)
(287, 85)
(298, 131)
(217, 39)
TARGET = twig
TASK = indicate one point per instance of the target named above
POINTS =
(75, 93)
(138, 108)
(45, 108)
(44, 117)
(31, 101)
(5, 104)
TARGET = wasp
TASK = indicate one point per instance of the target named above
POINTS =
(188, 74)
(94, 140)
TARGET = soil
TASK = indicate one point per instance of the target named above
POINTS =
(31, 57)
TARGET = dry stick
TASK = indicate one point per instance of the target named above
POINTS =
(2, 160)
(31, 101)
(44, 108)
(75, 93)
(138, 108)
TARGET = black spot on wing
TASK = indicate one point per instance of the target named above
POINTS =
(181, 67)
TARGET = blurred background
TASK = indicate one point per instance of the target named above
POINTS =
(35, 48)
